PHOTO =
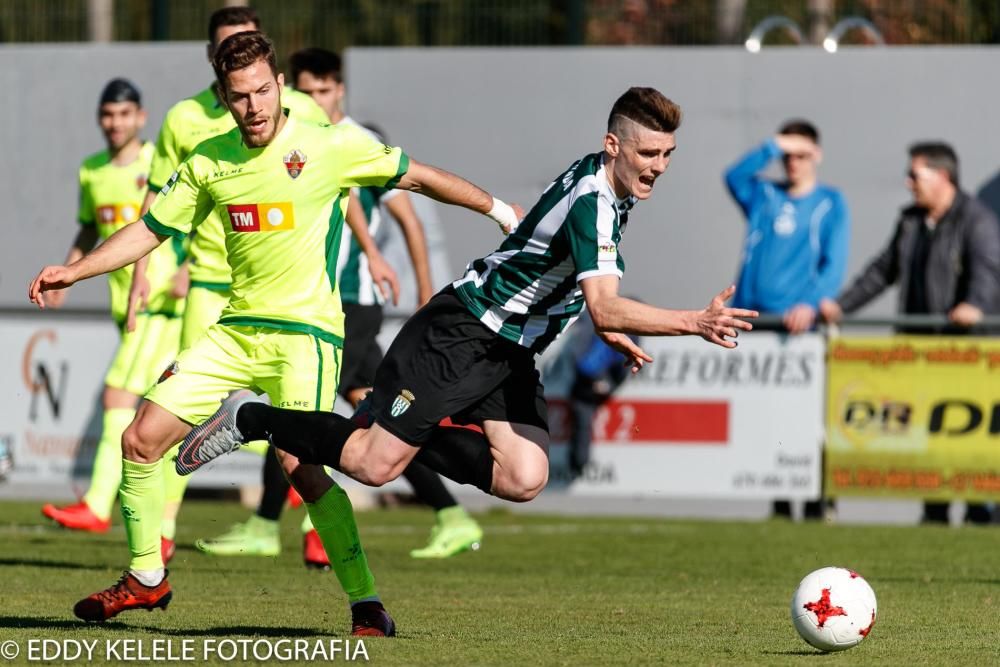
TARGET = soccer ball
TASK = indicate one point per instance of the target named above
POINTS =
(833, 609)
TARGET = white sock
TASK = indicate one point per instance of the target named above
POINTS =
(149, 578)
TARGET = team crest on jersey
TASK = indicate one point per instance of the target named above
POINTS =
(295, 162)
(402, 403)
(141, 181)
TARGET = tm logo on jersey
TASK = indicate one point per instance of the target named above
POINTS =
(277, 217)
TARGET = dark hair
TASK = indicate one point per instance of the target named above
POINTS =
(318, 62)
(647, 107)
(240, 51)
(231, 16)
(120, 90)
(802, 128)
(937, 155)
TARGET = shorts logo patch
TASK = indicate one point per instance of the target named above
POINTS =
(275, 217)
(295, 162)
(402, 403)
(171, 370)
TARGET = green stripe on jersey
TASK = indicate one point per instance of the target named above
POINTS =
(528, 289)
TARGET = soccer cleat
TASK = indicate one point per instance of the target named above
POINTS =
(252, 538)
(313, 552)
(167, 548)
(128, 593)
(77, 517)
(450, 538)
(370, 619)
(217, 436)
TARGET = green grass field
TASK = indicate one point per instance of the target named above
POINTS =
(542, 591)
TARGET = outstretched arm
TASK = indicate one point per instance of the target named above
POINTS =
(124, 247)
(455, 190)
(84, 242)
(613, 313)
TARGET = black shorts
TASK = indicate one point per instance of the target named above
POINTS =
(362, 354)
(445, 363)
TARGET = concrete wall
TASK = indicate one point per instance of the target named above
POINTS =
(512, 119)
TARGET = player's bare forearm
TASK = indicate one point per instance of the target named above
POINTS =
(359, 225)
(124, 247)
(402, 210)
(445, 187)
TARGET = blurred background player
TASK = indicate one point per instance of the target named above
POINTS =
(187, 124)
(317, 72)
(112, 185)
(945, 256)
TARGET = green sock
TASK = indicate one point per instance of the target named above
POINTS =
(333, 517)
(142, 508)
(174, 486)
(107, 474)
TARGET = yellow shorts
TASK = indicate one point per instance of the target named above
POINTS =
(296, 370)
(143, 354)
(202, 310)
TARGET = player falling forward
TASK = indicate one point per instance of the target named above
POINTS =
(112, 184)
(282, 329)
(469, 353)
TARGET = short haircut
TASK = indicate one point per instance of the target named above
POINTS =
(120, 90)
(937, 155)
(801, 128)
(231, 16)
(240, 51)
(318, 62)
(647, 107)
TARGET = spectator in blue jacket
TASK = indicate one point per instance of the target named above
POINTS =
(798, 229)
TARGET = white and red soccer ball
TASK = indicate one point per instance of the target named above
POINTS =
(833, 609)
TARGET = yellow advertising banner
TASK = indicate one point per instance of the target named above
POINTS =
(914, 417)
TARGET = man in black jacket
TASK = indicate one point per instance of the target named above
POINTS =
(944, 255)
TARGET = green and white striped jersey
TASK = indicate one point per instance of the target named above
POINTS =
(528, 289)
(356, 284)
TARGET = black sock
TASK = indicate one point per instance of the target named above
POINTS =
(428, 487)
(276, 487)
(460, 454)
(314, 437)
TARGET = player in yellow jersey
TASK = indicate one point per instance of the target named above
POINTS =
(112, 185)
(281, 331)
(187, 124)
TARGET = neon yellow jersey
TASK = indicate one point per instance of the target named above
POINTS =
(187, 124)
(283, 208)
(110, 198)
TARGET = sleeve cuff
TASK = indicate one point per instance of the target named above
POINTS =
(404, 166)
(159, 228)
(598, 272)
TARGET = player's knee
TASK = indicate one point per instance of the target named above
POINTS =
(524, 483)
(137, 445)
(379, 473)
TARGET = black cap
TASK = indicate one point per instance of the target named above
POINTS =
(120, 90)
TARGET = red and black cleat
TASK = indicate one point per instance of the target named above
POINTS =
(128, 593)
(370, 619)
(313, 552)
(167, 549)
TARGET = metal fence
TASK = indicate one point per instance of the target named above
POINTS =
(340, 23)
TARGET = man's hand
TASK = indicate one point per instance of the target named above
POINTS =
(965, 315)
(382, 274)
(795, 144)
(181, 282)
(830, 311)
(56, 298)
(49, 279)
(138, 298)
(717, 323)
(636, 356)
(799, 318)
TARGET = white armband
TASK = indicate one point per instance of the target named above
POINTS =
(504, 216)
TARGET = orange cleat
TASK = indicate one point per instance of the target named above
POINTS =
(128, 593)
(313, 552)
(77, 517)
(167, 548)
(370, 619)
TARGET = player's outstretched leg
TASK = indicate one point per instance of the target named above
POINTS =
(217, 436)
